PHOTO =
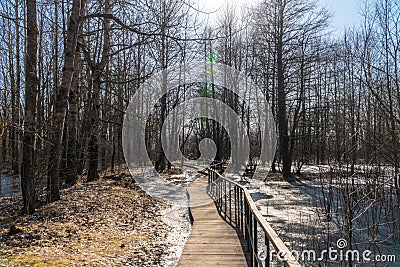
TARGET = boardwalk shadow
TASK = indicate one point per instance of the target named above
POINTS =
(243, 241)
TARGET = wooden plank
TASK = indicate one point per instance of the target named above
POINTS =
(212, 241)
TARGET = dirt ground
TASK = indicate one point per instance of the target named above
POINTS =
(102, 223)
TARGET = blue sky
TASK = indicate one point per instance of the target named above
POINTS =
(345, 12)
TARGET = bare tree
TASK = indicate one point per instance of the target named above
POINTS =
(289, 25)
(31, 94)
(61, 103)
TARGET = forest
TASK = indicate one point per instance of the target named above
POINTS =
(69, 70)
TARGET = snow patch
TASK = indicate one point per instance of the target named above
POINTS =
(178, 219)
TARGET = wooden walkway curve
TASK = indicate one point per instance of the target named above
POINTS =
(212, 241)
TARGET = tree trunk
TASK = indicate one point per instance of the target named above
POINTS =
(282, 117)
(160, 163)
(61, 103)
(31, 94)
(71, 174)
(16, 100)
(93, 149)
(73, 112)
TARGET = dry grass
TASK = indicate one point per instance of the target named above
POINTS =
(95, 224)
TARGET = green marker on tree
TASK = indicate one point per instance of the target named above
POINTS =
(205, 91)
(211, 58)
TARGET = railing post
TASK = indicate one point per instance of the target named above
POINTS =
(211, 182)
(230, 202)
(236, 212)
(241, 210)
(251, 239)
(225, 202)
(220, 195)
(245, 223)
(217, 191)
(214, 190)
(238, 207)
(255, 241)
(267, 252)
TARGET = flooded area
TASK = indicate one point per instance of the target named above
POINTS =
(9, 185)
(295, 210)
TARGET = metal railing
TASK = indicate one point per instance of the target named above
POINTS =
(236, 206)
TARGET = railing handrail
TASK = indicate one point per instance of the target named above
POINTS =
(269, 232)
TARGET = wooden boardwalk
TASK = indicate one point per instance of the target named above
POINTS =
(212, 241)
